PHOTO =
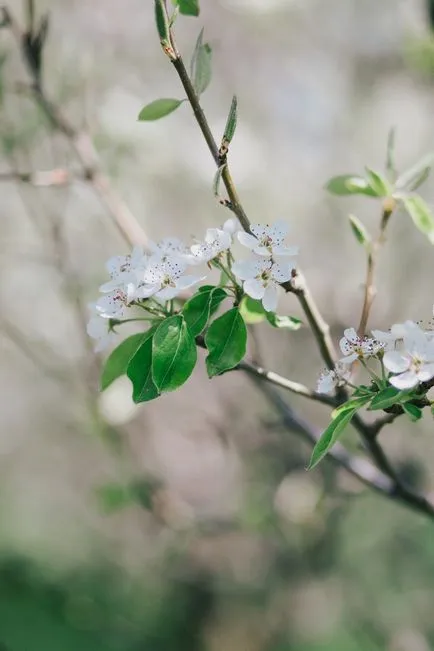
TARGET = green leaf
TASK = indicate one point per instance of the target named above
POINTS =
(159, 109)
(140, 372)
(386, 398)
(349, 184)
(231, 122)
(421, 215)
(360, 232)
(330, 436)
(162, 20)
(415, 413)
(174, 354)
(188, 7)
(201, 70)
(198, 309)
(252, 311)
(352, 404)
(226, 340)
(286, 322)
(413, 178)
(117, 363)
(378, 183)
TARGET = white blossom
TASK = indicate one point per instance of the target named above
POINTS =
(169, 248)
(122, 269)
(354, 347)
(114, 304)
(414, 363)
(395, 335)
(99, 329)
(163, 279)
(262, 278)
(231, 226)
(216, 241)
(267, 240)
(329, 379)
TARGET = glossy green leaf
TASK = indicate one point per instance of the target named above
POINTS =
(330, 436)
(414, 413)
(285, 322)
(359, 231)
(386, 398)
(346, 184)
(421, 215)
(352, 404)
(188, 7)
(159, 109)
(117, 362)
(226, 341)
(140, 372)
(201, 65)
(378, 183)
(252, 310)
(198, 309)
(174, 353)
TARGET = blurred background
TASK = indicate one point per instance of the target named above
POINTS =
(190, 523)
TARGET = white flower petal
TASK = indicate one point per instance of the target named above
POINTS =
(281, 271)
(406, 380)
(270, 298)
(395, 362)
(247, 240)
(254, 288)
(188, 281)
(349, 359)
(285, 250)
(426, 372)
(245, 269)
(351, 335)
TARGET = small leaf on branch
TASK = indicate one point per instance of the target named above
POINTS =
(252, 310)
(286, 322)
(360, 232)
(201, 61)
(162, 20)
(378, 183)
(217, 180)
(117, 362)
(347, 184)
(352, 404)
(159, 109)
(386, 398)
(414, 413)
(330, 436)
(231, 123)
(421, 215)
(200, 307)
(174, 354)
(413, 178)
(140, 372)
(188, 7)
(226, 341)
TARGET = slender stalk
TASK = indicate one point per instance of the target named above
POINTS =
(370, 289)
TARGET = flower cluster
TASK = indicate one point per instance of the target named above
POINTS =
(406, 353)
(262, 274)
(151, 280)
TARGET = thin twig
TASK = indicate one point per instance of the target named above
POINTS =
(284, 383)
(82, 145)
(365, 471)
(370, 289)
